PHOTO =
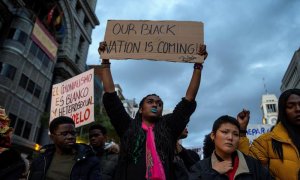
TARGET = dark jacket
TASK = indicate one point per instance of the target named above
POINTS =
(175, 123)
(183, 161)
(11, 165)
(262, 149)
(86, 167)
(248, 169)
(109, 163)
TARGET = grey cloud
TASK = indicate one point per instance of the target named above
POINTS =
(246, 41)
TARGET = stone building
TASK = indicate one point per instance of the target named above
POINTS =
(291, 78)
(42, 42)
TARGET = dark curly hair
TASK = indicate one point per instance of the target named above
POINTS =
(208, 146)
(58, 121)
(99, 127)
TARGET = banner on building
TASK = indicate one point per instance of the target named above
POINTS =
(74, 98)
(177, 41)
(44, 40)
(255, 130)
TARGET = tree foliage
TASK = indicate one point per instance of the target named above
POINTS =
(101, 118)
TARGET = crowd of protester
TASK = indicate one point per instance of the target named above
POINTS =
(150, 147)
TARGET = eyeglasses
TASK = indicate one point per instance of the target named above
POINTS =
(65, 133)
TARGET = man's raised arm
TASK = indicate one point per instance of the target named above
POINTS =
(196, 77)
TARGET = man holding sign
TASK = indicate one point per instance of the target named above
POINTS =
(148, 141)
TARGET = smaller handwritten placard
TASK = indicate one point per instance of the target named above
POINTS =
(74, 97)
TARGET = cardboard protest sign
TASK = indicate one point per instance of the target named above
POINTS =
(176, 41)
(255, 130)
(74, 98)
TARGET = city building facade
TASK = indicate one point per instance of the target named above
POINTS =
(291, 78)
(269, 107)
(42, 42)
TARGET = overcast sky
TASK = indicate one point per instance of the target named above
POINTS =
(247, 41)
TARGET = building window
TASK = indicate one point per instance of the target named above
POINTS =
(78, 7)
(45, 97)
(81, 43)
(30, 86)
(18, 35)
(7, 70)
(46, 61)
(34, 48)
(21, 37)
(23, 81)
(86, 22)
(40, 54)
(37, 132)
(11, 33)
(27, 130)
(37, 91)
(271, 108)
(19, 127)
(13, 120)
(77, 59)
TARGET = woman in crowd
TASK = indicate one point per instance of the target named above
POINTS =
(226, 162)
(278, 149)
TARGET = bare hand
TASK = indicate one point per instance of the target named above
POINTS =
(102, 47)
(202, 51)
(222, 167)
(243, 118)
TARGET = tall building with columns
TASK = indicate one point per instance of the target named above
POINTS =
(42, 42)
(291, 78)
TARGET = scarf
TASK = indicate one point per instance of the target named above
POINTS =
(232, 172)
(154, 167)
(235, 164)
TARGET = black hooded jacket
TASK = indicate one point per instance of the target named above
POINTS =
(86, 167)
(122, 122)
